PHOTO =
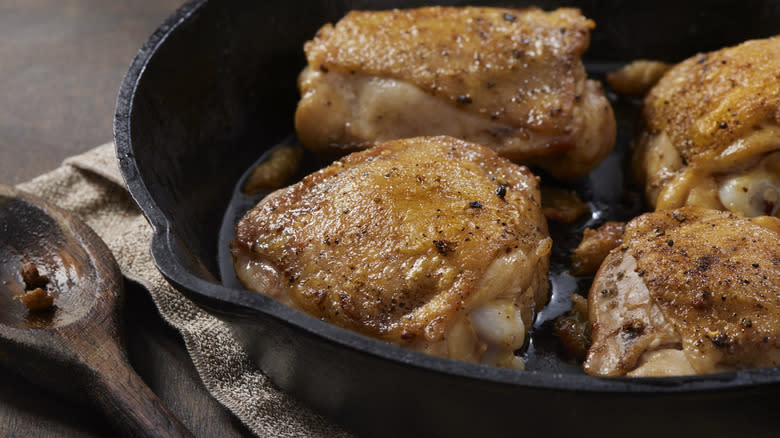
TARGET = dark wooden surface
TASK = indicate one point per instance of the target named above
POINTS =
(61, 62)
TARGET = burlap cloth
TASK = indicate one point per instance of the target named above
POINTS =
(91, 186)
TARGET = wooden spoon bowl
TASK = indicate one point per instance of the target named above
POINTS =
(75, 346)
(52, 242)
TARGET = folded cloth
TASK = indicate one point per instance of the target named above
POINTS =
(91, 186)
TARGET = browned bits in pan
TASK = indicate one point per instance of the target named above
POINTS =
(638, 77)
(562, 205)
(276, 171)
(573, 329)
(594, 247)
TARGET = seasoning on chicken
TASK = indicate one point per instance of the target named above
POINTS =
(690, 291)
(508, 79)
(430, 243)
(712, 132)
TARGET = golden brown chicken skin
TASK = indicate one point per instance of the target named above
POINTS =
(431, 243)
(690, 291)
(508, 79)
(712, 132)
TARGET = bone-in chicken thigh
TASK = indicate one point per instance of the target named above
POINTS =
(712, 132)
(508, 79)
(430, 243)
(690, 291)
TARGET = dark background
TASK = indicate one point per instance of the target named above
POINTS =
(61, 63)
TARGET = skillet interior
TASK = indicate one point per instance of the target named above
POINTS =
(214, 88)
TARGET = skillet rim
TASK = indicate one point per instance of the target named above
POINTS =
(226, 303)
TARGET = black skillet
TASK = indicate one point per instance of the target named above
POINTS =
(214, 89)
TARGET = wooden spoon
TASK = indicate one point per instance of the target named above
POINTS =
(74, 347)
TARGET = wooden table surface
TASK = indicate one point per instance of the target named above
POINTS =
(61, 63)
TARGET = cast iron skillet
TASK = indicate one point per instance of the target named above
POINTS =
(214, 88)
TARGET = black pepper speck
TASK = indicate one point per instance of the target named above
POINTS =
(463, 98)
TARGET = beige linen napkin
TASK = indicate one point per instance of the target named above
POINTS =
(91, 186)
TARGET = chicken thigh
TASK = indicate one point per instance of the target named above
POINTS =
(508, 79)
(690, 291)
(712, 132)
(430, 243)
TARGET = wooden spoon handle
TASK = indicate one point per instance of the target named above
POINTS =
(132, 406)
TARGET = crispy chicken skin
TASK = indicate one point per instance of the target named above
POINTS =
(431, 243)
(712, 132)
(690, 291)
(508, 79)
